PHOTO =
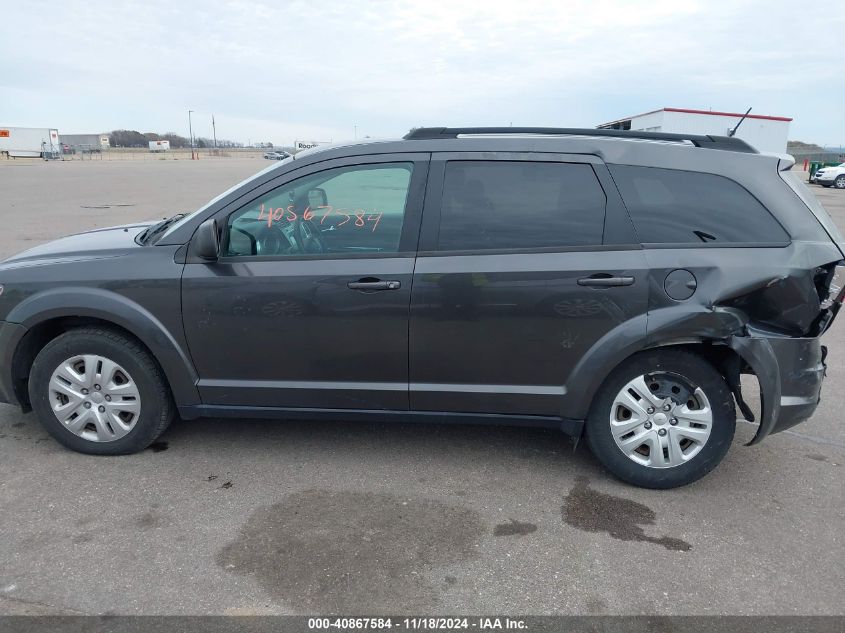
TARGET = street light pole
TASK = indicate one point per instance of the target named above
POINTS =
(191, 132)
(214, 127)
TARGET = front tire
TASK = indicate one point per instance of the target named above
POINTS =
(663, 419)
(100, 392)
(840, 182)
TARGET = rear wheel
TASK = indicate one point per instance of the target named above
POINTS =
(98, 391)
(663, 419)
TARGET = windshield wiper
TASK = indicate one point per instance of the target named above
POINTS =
(156, 229)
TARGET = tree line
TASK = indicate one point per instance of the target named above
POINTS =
(133, 138)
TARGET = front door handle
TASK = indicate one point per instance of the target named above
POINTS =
(603, 280)
(368, 283)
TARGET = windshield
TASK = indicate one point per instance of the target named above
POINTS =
(187, 218)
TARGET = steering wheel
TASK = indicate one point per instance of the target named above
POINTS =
(309, 238)
(272, 241)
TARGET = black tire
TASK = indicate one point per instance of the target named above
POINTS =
(157, 409)
(694, 369)
(840, 182)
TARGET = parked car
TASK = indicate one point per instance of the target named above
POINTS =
(610, 284)
(831, 176)
(276, 155)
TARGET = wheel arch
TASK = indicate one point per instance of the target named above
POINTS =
(589, 380)
(48, 315)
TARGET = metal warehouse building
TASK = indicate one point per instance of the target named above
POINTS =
(86, 142)
(764, 132)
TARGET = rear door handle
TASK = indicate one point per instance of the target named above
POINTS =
(605, 281)
(374, 284)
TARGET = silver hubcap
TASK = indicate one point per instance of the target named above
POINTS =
(660, 420)
(94, 398)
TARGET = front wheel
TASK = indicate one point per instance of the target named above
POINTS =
(663, 419)
(840, 182)
(98, 391)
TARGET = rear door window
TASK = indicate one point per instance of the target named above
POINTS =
(670, 206)
(493, 205)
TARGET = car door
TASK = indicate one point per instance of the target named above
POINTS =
(308, 303)
(526, 263)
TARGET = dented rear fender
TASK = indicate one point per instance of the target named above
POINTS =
(769, 305)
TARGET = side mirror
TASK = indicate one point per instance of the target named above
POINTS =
(206, 243)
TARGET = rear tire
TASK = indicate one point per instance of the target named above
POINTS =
(100, 392)
(683, 398)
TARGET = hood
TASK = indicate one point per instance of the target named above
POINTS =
(99, 243)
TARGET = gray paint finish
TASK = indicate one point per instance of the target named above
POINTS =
(507, 334)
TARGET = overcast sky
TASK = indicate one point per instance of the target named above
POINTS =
(279, 71)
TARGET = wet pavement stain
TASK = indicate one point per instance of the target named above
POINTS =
(352, 552)
(594, 511)
(158, 447)
(84, 521)
(514, 528)
(149, 520)
(596, 605)
(817, 457)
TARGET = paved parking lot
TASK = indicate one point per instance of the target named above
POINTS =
(246, 517)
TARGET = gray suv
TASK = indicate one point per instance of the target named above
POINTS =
(610, 284)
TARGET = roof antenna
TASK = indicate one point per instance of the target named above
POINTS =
(733, 131)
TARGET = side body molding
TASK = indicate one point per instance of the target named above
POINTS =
(118, 309)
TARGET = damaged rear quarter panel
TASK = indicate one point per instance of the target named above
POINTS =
(760, 301)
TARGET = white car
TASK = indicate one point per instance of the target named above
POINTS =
(276, 155)
(831, 176)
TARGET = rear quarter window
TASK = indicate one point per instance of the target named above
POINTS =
(492, 205)
(670, 206)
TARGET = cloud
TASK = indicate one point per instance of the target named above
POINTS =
(284, 70)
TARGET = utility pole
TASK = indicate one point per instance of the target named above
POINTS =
(191, 133)
(214, 127)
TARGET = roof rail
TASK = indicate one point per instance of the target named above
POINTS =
(708, 141)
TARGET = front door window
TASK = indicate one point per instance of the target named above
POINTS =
(346, 210)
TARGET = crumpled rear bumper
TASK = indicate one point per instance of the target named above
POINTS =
(790, 372)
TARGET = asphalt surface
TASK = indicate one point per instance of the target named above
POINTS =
(251, 517)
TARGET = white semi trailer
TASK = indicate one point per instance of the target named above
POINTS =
(30, 142)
